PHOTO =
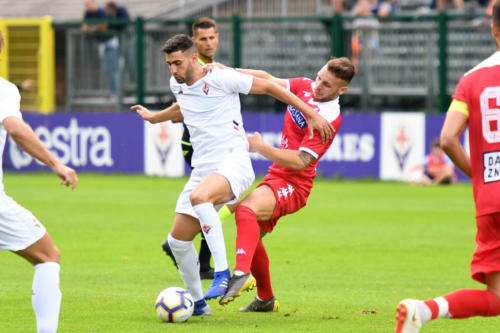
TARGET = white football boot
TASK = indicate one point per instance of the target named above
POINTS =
(407, 318)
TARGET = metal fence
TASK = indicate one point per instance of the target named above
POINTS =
(404, 58)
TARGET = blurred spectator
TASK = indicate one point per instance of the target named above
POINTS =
(341, 6)
(436, 168)
(117, 12)
(446, 4)
(95, 25)
(383, 8)
(380, 8)
(365, 31)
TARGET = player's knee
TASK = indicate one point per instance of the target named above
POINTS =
(49, 255)
(177, 245)
(197, 197)
(54, 255)
(243, 210)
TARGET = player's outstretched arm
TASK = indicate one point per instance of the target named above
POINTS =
(24, 136)
(292, 159)
(253, 72)
(315, 121)
(172, 113)
(453, 127)
(263, 75)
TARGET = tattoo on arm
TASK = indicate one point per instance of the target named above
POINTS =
(306, 158)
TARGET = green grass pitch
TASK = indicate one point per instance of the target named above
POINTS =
(339, 265)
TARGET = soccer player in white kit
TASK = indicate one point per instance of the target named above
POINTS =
(208, 103)
(20, 231)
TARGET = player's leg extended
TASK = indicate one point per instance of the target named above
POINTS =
(464, 303)
(180, 241)
(213, 189)
(258, 205)
(46, 298)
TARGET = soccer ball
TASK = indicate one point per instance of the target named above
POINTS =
(174, 305)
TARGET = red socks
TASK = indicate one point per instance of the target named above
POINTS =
(251, 255)
(247, 237)
(467, 303)
(260, 270)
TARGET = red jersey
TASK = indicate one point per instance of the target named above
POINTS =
(435, 164)
(480, 90)
(295, 134)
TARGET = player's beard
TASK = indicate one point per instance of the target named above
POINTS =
(188, 74)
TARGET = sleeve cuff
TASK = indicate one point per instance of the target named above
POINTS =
(309, 151)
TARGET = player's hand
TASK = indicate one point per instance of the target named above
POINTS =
(27, 85)
(208, 67)
(321, 125)
(254, 142)
(144, 113)
(68, 176)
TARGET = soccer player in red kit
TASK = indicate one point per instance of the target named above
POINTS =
(286, 187)
(476, 103)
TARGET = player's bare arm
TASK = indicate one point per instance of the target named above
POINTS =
(172, 113)
(315, 121)
(254, 72)
(292, 159)
(454, 126)
(263, 75)
(24, 136)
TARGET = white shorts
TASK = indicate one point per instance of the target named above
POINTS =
(18, 227)
(236, 168)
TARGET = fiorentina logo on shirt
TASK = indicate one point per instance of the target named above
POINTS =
(205, 89)
(297, 117)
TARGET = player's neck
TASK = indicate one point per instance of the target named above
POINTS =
(206, 60)
(198, 73)
(326, 99)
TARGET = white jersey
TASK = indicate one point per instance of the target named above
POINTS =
(211, 110)
(10, 105)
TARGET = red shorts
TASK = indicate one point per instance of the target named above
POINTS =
(289, 199)
(486, 258)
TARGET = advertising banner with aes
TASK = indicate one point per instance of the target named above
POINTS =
(84, 141)
(353, 154)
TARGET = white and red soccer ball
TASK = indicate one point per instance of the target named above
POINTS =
(174, 305)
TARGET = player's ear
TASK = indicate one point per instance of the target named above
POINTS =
(343, 90)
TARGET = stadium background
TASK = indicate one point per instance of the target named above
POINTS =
(409, 63)
(340, 265)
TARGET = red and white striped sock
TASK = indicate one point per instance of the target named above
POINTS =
(464, 303)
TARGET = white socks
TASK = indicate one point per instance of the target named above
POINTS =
(46, 297)
(187, 261)
(212, 229)
(425, 313)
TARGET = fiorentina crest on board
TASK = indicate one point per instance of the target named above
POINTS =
(402, 145)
